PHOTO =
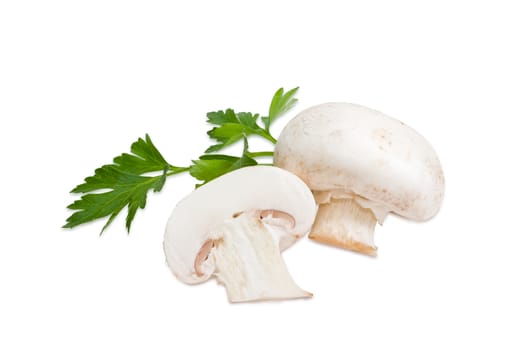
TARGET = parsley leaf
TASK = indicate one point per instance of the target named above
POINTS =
(281, 103)
(233, 127)
(211, 166)
(124, 184)
(145, 158)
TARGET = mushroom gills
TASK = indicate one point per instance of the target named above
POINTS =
(346, 223)
(248, 261)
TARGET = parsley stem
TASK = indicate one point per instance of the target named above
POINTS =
(176, 170)
(259, 154)
(272, 139)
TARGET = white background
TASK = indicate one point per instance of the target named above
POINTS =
(80, 81)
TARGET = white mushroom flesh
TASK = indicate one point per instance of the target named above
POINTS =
(347, 220)
(248, 260)
(344, 223)
(234, 229)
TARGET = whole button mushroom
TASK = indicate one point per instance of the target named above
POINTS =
(235, 227)
(360, 164)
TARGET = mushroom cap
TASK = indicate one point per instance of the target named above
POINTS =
(251, 188)
(347, 148)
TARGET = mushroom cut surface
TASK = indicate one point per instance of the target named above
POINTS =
(234, 229)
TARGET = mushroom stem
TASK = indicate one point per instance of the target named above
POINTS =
(342, 222)
(248, 261)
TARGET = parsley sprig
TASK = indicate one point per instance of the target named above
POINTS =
(124, 183)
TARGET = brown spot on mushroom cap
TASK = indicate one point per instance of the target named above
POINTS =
(382, 138)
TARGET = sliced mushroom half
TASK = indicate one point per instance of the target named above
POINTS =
(234, 229)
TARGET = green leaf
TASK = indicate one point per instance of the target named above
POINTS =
(145, 158)
(209, 167)
(221, 117)
(121, 185)
(248, 120)
(127, 181)
(281, 103)
(233, 127)
(126, 190)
